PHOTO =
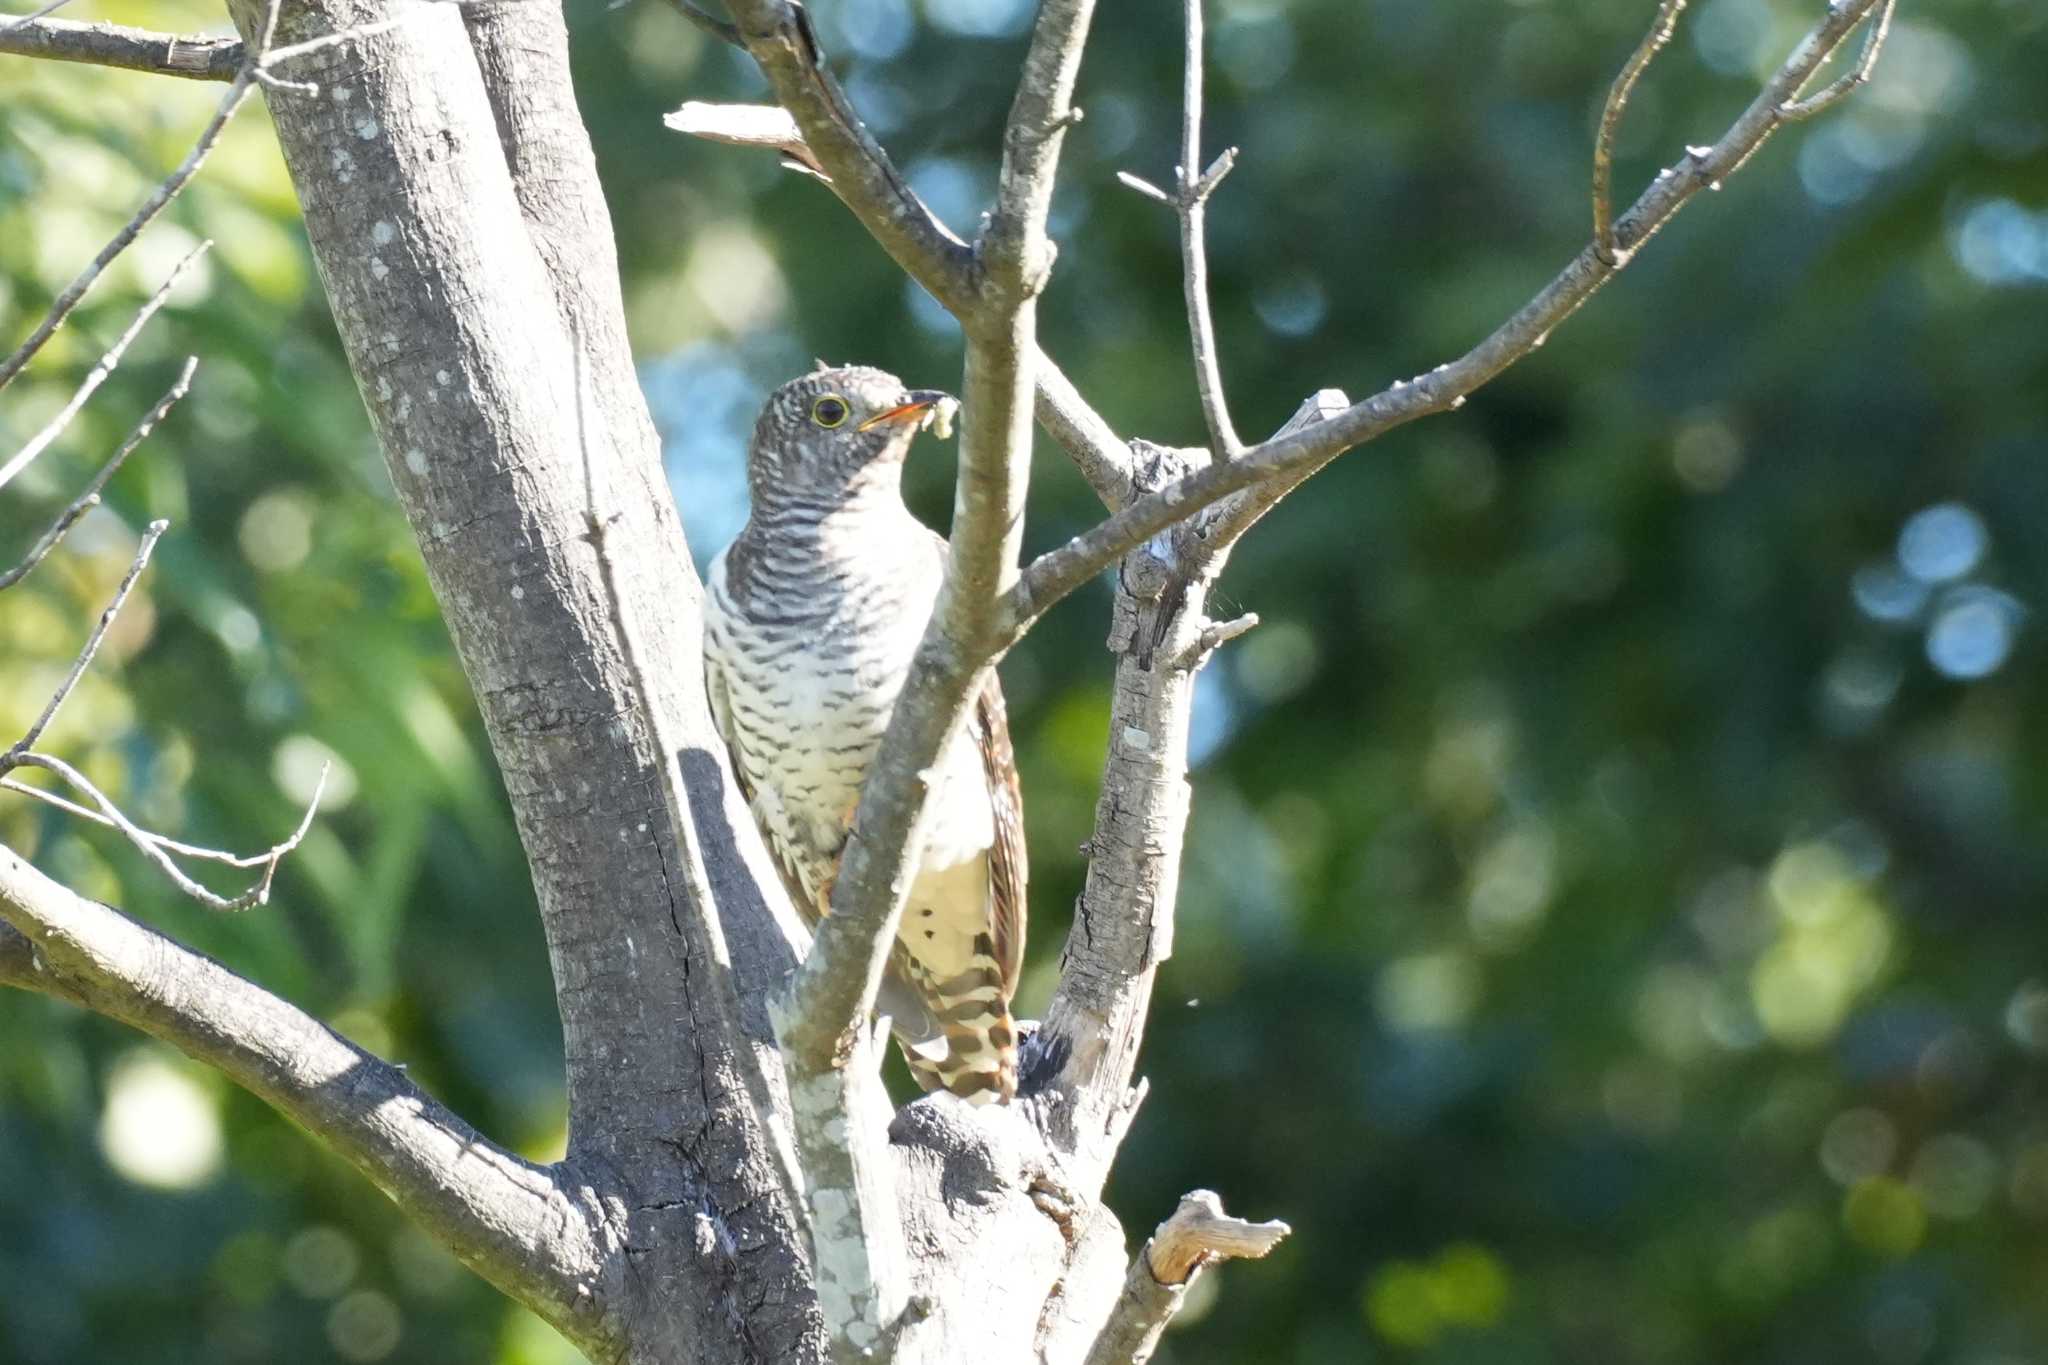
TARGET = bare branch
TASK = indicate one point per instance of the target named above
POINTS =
(1278, 465)
(97, 376)
(1834, 93)
(1195, 187)
(1014, 251)
(153, 846)
(1217, 634)
(504, 1217)
(254, 69)
(1144, 187)
(90, 498)
(18, 752)
(1610, 122)
(196, 57)
(1198, 1234)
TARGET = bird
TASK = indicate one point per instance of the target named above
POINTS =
(812, 616)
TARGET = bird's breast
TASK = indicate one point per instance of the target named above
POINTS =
(812, 680)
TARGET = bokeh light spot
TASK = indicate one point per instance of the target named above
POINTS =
(1972, 633)
(320, 1262)
(365, 1326)
(1884, 1216)
(160, 1126)
(1941, 543)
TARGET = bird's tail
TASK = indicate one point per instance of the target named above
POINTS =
(979, 1060)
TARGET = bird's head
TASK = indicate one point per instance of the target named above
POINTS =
(833, 433)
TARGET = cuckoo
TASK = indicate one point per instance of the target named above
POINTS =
(811, 617)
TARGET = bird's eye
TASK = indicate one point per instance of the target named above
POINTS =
(829, 411)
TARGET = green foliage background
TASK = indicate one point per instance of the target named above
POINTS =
(1613, 922)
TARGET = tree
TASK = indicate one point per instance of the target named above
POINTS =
(521, 452)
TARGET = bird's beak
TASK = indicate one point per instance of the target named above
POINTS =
(921, 402)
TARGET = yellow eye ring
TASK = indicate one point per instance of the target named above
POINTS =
(830, 411)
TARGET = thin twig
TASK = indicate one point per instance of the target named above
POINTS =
(54, 428)
(167, 189)
(19, 752)
(1195, 187)
(1827, 98)
(90, 498)
(153, 847)
(197, 57)
(1610, 121)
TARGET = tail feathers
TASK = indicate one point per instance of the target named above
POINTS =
(980, 1060)
(979, 1063)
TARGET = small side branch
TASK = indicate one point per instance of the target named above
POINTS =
(1832, 94)
(1198, 1234)
(1610, 123)
(194, 57)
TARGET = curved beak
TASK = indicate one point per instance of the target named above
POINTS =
(921, 402)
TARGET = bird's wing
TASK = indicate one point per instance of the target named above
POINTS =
(1007, 869)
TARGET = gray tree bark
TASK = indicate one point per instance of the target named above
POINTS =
(451, 202)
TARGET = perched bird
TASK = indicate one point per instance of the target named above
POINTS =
(811, 619)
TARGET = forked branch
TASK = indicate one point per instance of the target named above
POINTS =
(1833, 93)
(1610, 123)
